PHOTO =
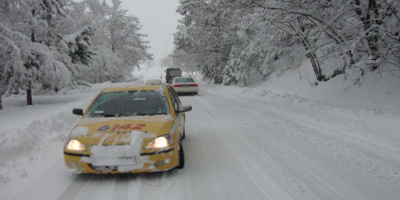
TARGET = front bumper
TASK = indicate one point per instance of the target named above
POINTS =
(146, 162)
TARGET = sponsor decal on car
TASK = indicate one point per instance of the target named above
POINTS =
(126, 128)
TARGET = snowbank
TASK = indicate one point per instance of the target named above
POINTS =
(378, 93)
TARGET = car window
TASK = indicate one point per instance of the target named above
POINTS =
(174, 98)
(128, 103)
(183, 80)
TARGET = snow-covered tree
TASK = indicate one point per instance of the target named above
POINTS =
(125, 39)
(32, 62)
(50, 45)
(337, 36)
(203, 35)
(116, 44)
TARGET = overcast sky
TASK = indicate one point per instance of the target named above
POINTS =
(159, 20)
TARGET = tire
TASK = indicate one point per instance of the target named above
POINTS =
(181, 163)
(184, 133)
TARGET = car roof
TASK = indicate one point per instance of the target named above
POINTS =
(133, 87)
(183, 77)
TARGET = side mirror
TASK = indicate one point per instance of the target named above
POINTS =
(77, 111)
(184, 108)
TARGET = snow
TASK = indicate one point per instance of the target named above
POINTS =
(282, 138)
(107, 155)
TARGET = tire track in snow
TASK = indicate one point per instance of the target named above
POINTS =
(206, 181)
(121, 187)
(91, 187)
(74, 188)
(360, 160)
(317, 180)
(150, 186)
(44, 185)
(222, 160)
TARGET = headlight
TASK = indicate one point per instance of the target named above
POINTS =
(75, 145)
(160, 142)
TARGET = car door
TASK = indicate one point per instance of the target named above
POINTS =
(179, 116)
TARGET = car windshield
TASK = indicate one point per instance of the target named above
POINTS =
(183, 80)
(129, 103)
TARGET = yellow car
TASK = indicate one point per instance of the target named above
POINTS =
(128, 129)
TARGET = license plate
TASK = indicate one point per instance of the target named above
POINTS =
(114, 155)
(113, 161)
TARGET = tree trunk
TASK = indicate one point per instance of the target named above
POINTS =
(29, 95)
(373, 35)
(314, 62)
(369, 19)
(1, 104)
(29, 90)
(311, 55)
(316, 66)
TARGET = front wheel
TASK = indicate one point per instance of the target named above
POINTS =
(181, 158)
(184, 133)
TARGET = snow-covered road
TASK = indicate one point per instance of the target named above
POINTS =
(239, 148)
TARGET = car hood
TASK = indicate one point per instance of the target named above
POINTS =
(121, 130)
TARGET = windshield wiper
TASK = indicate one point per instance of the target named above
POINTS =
(102, 114)
(124, 114)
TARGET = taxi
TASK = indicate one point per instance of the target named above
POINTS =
(128, 129)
